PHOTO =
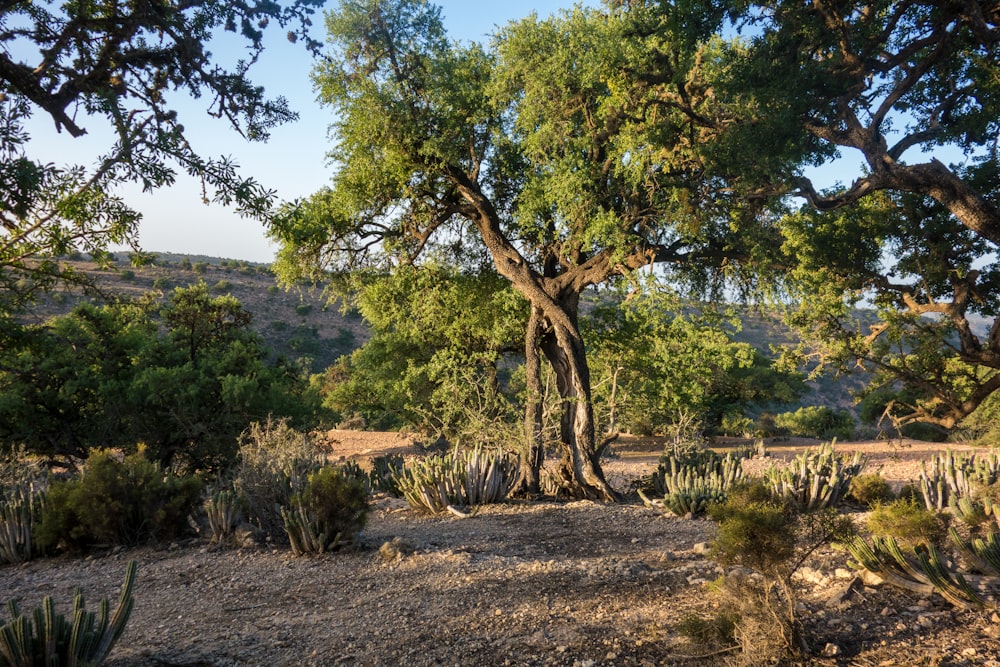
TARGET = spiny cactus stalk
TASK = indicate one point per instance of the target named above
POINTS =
(816, 479)
(48, 638)
(923, 572)
(951, 476)
(468, 477)
(224, 515)
(305, 533)
(20, 511)
(690, 481)
(384, 471)
(983, 553)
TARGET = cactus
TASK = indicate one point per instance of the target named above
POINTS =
(384, 471)
(469, 477)
(224, 512)
(690, 481)
(984, 553)
(20, 512)
(816, 479)
(330, 511)
(951, 477)
(922, 573)
(48, 638)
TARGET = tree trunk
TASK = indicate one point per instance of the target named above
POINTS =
(580, 469)
(533, 452)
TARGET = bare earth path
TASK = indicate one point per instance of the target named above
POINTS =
(547, 583)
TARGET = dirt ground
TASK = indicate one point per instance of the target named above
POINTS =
(543, 583)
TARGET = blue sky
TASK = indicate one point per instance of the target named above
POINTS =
(292, 162)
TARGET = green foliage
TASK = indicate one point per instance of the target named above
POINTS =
(462, 479)
(907, 522)
(870, 489)
(117, 501)
(816, 479)
(438, 357)
(818, 422)
(110, 377)
(222, 287)
(128, 275)
(757, 534)
(303, 309)
(653, 357)
(330, 511)
(46, 638)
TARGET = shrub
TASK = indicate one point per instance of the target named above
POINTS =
(329, 512)
(161, 283)
(223, 286)
(200, 267)
(753, 533)
(114, 501)
(274, 462)
(46, 638)
(907, 522)
(303, 309)
(816, 421)
(128, 274)
(870, 489)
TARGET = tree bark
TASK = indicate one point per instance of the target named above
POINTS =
(533, 452)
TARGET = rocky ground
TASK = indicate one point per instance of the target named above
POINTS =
(543, 583)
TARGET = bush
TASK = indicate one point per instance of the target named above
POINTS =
(754, 531)
(303, 309)
(908, 522)
(128, 274)
(329, 512)
(223, 286)
(274, 462)
(161, 283)
(125, 502)
(46, 638)
(870, 489)
(816, 421)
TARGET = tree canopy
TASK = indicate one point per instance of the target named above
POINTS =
(549, 155)
(120, 67)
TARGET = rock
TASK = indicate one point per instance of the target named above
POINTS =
(812, 576)
(831, 650)
(995, 618)
(845, 593)
(700, 548)
(395, 550)
(871, 578)
(842, 573)
(968, 652)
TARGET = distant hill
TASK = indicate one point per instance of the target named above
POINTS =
(299, 324)
(295, 323)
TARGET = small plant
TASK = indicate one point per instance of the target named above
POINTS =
(908, 522)
(385, 470)
(47, 638)
(870, 489)
(465, 478)
(161, 283)
(816, 479)
(222, 286)
(117, 501)
(303, 309)
(128, 274)
(224, 511)
(20, 512)
(691, 479)
(329, 512)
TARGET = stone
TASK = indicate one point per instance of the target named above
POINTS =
(831, 650)
(700, 548)
(845, 593)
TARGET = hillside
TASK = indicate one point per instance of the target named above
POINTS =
(299, 324)
(295, 323)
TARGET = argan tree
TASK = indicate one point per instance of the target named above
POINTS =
(547, 155)
(910, 91)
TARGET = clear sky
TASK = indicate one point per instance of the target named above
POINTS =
(292, 162)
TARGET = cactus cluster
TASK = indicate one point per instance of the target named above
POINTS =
(462, 479)
(20, 511)
(224, 511)
(383, 474)
(47, 638)
(816, 479)
(951, 477)
(924, 571)
(690, 481)
(329, 511)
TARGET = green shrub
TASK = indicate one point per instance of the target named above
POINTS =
(200, 267)
(757, 534)
(161, 283)
(274, 462)
(816, 421)
(128, 274)
(870, 489)
(126, 502)
(908, 522)
(303, 309)
(329, 512)
(223, 286)
(44, 637)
